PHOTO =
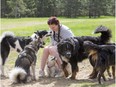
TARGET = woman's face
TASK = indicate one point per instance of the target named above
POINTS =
(54, 27)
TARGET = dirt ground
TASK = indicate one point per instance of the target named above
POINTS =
(81, 79)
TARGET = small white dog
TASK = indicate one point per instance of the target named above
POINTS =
(52, 68)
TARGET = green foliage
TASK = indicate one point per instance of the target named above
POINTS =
(18, 8)
(98, 8)
(72, 8)
(67, 8)
(30, 8)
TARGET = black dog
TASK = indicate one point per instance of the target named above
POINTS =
(92, 55)
(68, 50)
(71, 50)
(9, 40)
(26, 59)
(101, 58)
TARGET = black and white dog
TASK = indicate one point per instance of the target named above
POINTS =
(71, 50)
(9, 40)
(26, 60)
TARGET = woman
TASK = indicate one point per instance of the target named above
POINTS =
(59, 32)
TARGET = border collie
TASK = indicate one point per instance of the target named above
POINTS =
(9, 40)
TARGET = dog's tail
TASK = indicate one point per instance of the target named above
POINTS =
(6, 35)
(4, 43)
(17, 75)
(105, 34)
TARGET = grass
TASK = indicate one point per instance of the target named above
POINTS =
(81, 26)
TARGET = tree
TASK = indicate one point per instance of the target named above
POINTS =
(72, 8)
(94, 8)
(4, 8)
(45, 7)
(18, 8)
(30, 8)
(100, 7)
(67, 8)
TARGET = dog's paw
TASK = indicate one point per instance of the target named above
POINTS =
(69, 77)
(58, 76)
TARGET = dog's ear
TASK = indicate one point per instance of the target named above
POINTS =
(75, 44)
(39, 34)
(35, 32)
(59, 45)
(35, 37)
(54, 58)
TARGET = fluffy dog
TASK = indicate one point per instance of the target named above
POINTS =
(71, 50)
(68, 51)
(26, 59)
(9, 40)
(51, 67)
(101, 58)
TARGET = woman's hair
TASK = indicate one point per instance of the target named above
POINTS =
(53, 20)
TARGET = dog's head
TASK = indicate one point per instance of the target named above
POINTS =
(51, 61)
(65, 49)
(42, 34)
(35, 45)
(68, 47)
(100, 29)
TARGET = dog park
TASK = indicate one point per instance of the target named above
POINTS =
(80, 27)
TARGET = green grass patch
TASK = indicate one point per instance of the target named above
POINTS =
(80, 26)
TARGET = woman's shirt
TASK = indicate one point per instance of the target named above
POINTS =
(65, 32)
